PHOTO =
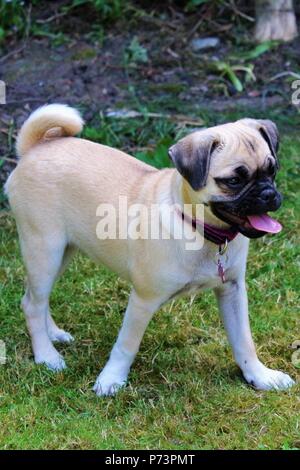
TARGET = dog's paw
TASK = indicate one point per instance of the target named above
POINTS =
(61, 336)
(108, 384)
(269, 379)
(53, 360)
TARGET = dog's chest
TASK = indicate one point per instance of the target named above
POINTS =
(210, 270)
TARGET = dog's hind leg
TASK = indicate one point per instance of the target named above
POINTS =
(56, 334)
(42, 257)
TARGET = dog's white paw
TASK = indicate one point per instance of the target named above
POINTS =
(107, 384)
(268, 379)
(61, 336)
(52, 359)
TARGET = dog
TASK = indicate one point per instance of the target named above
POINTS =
(55, 191)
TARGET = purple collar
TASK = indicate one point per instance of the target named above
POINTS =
(219, 236)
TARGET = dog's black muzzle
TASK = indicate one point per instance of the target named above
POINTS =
(261, 198)
(255, 199)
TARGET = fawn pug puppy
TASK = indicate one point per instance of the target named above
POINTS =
(59, 183)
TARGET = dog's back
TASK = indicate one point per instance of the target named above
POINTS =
(61, 180)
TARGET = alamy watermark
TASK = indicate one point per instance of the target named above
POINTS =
(151, 222)
(2, 92)
(296, 354)
(296, 94)
(2, 352)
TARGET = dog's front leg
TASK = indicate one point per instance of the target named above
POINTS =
(138, 314)
(233, 305)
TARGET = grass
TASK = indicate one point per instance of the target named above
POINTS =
(185, 391)
(22, 15)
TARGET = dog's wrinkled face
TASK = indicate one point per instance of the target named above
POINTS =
(232, 169)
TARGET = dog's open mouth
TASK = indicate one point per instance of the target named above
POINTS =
(252, 226)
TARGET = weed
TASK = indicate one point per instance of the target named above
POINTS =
(135, 53)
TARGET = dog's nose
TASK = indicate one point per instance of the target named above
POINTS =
(268, 195)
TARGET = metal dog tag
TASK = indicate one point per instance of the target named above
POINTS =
(221, 252)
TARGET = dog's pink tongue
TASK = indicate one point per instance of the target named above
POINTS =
(264, 223)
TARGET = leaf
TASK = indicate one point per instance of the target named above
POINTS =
(193, 4)
(159, 158)
(258, 50)
(234, 80)
(248, 70)
(229, 71)
(136, 53)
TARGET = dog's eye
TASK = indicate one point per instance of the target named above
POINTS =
(233, 181)
(272, 170)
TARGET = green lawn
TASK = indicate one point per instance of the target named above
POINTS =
(185, 391)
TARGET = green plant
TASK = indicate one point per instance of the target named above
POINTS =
(135, 53)
(258, 50)
(18, 17)
(230, 72)
(57, 38)
(108, 10)
(137, 137)
(159, 156)
(12, 18)
(193, 5)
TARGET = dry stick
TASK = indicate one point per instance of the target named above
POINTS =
(7, 159)
(28, 21)
(5, 131)
(5, 214)
(196, 26)
(238, 12)
(52, 18)
(284, 74)
(143, 16)
(194, 29)
(220, 28)
(16, 51)
(24, 100)
(131, 114)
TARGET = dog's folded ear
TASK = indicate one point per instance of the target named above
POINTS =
(192, 160)
(268, 131)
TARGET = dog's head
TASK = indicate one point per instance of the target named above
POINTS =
(232, 168)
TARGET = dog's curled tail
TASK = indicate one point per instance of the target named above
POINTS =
(46, 123)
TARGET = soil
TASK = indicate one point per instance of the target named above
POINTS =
(77, 68)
